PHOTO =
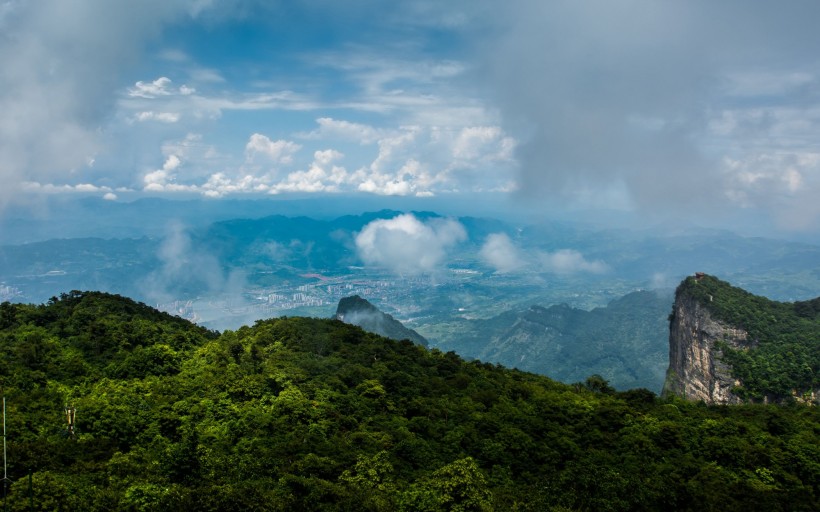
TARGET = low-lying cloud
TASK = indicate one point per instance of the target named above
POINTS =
(499, 252)
(404, 244)
(502, 254)
(186, 271)
(570, 261)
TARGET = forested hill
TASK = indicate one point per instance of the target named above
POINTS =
(309, 414)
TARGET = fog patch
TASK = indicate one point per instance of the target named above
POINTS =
(186, 271)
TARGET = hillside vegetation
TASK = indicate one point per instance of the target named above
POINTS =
(626, 342)
(784, 353)
(308, 414)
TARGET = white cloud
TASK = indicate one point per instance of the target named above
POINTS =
(219, 184)
(410, 179)
(569, 261)
(157, 88)
(330, 128)
(279, 151)
(162, 117)
(394, 170)
(404, 244)
(321, 176)
(327, 156)
(50, 188)
(499, 252)
(162, 179)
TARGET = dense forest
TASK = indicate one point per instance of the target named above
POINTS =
(310, 414)
(785, 338)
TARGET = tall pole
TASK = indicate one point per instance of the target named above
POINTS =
(5, 474)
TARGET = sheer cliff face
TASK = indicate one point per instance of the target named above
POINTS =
(696, 371)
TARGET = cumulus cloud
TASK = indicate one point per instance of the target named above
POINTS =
(411, 179)
(278, 151)
(321, 176)
(165, 179)
(404, 244)
(499, 252)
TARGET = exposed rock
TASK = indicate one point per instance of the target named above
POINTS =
(358, 311)
(696, 371)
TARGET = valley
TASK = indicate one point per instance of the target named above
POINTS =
(556, 298)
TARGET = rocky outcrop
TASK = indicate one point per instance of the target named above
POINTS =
(358, 311)
(696, 370)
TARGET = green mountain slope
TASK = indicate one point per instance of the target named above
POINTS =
(309, 414)
(626, 342)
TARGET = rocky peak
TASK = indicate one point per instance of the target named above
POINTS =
(696, 369)
(358, 311)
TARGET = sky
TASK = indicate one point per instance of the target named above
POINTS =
(675, 109)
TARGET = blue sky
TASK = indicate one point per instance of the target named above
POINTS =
(670, 109)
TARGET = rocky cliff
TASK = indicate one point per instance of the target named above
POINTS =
(358, 311)
(728, 346)
(696, 367)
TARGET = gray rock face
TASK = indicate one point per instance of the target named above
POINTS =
(358, 311)
(696, 371)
